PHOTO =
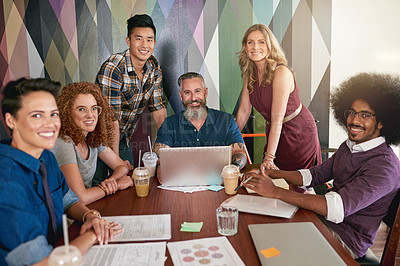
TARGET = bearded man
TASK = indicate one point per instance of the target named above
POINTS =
(199, 125)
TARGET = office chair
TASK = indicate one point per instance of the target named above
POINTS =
(392, 220)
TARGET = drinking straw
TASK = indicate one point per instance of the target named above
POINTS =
(65, 232)
(140, 154)
(151, 150)
(230, 156)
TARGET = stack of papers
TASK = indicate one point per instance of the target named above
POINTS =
(191, 227)
(142, 227)
(184, 189)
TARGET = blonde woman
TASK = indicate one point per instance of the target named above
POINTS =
(269, 86)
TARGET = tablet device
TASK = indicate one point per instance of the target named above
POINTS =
(193, 166)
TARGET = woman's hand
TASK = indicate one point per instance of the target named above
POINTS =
(125, 182)
(127, 163)
(110, 184)
(268, 164)
(103, 229)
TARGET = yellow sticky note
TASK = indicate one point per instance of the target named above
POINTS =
(270, 252)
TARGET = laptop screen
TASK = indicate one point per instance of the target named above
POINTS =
(190, 166)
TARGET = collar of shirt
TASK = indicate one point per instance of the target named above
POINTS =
(129, 65)
(19, 156)
(364, 146)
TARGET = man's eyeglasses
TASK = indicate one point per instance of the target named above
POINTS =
(96, 110)
(363, 115)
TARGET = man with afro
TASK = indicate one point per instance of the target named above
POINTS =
(365, 170)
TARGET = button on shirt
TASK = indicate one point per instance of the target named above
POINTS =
(24, 217)
(219, 129)
(127, 95)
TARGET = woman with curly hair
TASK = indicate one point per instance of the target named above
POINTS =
(87, 133)
(270, 87)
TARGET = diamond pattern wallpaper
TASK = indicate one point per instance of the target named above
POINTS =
(68, 40)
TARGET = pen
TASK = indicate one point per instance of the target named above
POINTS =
(247, 180)
(244, 182)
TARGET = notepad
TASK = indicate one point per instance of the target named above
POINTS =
(261, 205)
(279, 182)
(191, 227)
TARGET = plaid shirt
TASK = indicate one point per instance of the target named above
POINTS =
(125, 92)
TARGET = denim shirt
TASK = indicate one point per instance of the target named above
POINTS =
(24, 218)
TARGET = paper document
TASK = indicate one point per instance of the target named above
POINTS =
(261, 205)
(188, 189)
(205, 251)
(126, 254)
(142, 227)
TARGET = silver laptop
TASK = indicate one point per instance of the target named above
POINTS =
(298, 244)
(193, 166)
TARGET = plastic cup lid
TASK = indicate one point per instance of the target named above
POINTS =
(141, 172)
(149, 156)
(230, 169)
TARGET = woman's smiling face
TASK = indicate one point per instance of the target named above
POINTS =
(36, 124)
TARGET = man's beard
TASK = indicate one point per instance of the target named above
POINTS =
(195, 113)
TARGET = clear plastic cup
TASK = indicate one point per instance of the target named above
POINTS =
(141, 177)
(227, 220)
(150, 161)
(66, 257)
(230, 173)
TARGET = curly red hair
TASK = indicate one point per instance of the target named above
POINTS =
(104, 131)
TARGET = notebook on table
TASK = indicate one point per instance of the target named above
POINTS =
(296, 243)
(192, 166)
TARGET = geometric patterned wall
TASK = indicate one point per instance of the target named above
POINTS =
(68, 40)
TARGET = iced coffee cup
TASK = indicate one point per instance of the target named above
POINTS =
(230, 173)
(141, 176)
(149, 160)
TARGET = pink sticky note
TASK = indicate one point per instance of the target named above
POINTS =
(270, 252)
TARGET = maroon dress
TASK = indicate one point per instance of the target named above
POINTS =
(298, 146)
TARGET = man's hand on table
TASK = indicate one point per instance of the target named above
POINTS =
(259, 183)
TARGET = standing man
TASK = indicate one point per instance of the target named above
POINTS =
(365, 170)
(131, 80)
(199, 125)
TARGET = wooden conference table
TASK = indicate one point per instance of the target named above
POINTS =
(200, 207)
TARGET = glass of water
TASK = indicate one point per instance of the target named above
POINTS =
(227, 219)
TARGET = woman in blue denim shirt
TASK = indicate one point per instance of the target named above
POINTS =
(26, 234)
